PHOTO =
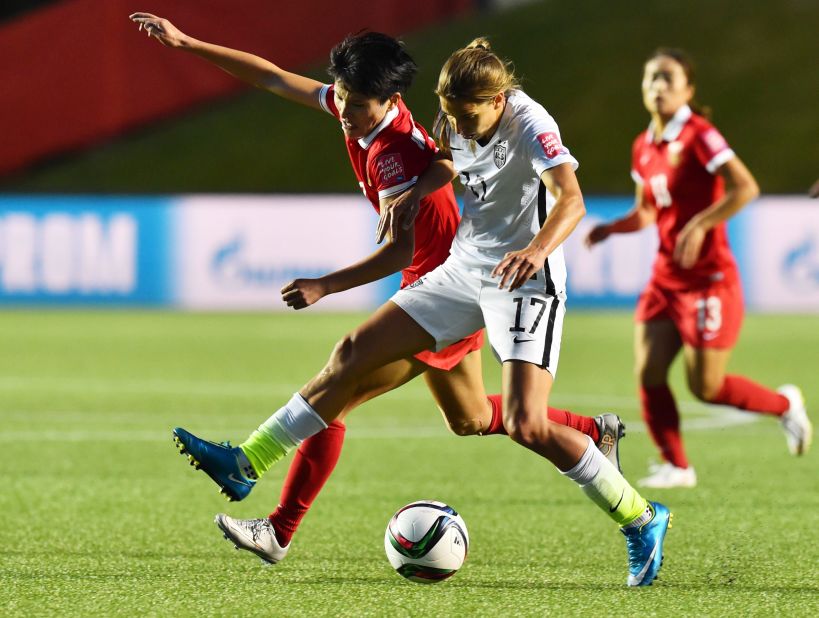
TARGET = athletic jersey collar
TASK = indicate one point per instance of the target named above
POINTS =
(391, 115)
(673, 128)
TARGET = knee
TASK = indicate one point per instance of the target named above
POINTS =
(460, 421)
(525, 426)
(705, 387)
(465, 426)
(650, 375)
(343, 358)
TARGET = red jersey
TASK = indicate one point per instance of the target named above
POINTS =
(678, 176)
(389, 161)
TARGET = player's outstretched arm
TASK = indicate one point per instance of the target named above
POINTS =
(740, 188)
(393, 256)
(242, 65)
(517, 267)
(642, 215)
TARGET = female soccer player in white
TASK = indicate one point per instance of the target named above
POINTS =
(523, 200)
(387, 149)
(681, 166)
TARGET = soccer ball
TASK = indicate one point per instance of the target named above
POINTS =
(426, 541)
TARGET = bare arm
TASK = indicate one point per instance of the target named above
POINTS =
(741, 189)
(642, 215)
(518, 266)
(396, 254)
(242, 65)
(406, 206)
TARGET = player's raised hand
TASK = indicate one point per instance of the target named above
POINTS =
(404, 208)
(689, 244)
(517, 267)
(598, 233)
(301, 293)
(160, 29)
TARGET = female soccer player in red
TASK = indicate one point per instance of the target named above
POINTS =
(693, 302)
(388, 151)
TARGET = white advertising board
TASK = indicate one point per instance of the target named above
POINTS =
(612, 273)
(236, 252)
(780, 255)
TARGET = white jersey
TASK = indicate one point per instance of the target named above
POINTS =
(505, 202)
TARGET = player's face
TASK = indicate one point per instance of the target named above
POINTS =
(473, 120)
(665, 87)
(359, 114)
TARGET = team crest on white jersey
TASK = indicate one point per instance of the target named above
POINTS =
(500, 153)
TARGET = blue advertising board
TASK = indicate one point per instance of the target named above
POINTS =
(235, 252)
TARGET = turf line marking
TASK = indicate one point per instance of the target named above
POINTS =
(212, 388)
(707, 417)
(720, 419)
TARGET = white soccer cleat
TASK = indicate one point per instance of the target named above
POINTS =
(795, 422)
(254, 535)
(611, 430)
(667, 476)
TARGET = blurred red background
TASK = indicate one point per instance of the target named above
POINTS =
(76, 72)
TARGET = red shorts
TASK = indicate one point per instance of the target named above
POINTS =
(451, 355)
(708, 317)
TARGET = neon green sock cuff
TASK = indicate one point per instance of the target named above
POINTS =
(266, 446)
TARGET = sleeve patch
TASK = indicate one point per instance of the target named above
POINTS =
(714, 141)
(550, 142)
(389, 169)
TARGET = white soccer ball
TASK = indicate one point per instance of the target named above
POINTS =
(426, 541)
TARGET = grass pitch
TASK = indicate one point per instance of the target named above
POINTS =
(101, 516)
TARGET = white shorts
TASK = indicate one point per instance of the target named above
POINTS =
(453, 301)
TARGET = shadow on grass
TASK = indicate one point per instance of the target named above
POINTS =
(702, 588)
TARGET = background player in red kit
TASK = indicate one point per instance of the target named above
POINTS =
(681, 166)
(388, 151)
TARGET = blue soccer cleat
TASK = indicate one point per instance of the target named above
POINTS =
(645, 546)
(227, 465)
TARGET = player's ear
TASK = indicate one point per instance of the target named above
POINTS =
(394, 99)
(497, 101)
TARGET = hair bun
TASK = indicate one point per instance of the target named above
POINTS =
(480, 43)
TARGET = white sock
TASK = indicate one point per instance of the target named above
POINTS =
(588, 467)
(600, 480)
(297, 418)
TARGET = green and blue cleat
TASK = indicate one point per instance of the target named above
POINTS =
(227, 465)
(645, 546)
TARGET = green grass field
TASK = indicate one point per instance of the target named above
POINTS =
(101, 516)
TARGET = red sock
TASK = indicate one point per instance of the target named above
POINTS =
(663, 421)
(583, 424)
(746, 395)
(312, 465)
(496, 425)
